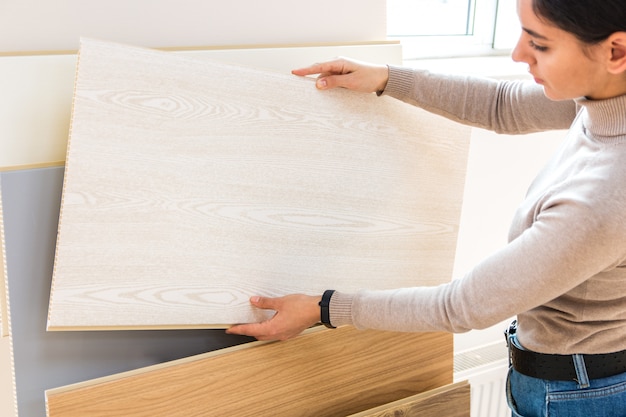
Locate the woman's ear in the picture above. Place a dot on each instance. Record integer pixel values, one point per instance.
(617, 62)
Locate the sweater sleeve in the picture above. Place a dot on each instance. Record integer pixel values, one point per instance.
(563, 271)
(548, 260)
(570, 260)
(511, 107)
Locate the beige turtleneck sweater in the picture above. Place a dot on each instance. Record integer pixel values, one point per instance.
(563, 272)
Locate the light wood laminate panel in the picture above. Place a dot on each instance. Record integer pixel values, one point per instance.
(192, 185)
(322, 373)
(449, 401)
(36, 99)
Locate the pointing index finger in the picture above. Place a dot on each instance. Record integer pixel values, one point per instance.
(310, 70)
(325, 68)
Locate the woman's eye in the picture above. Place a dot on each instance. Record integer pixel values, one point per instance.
(537, 47)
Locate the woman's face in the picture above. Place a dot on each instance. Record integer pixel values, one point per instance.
(558, 61)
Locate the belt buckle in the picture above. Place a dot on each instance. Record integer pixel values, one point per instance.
(510, 331)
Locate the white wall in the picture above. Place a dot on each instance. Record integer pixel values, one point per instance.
(39, 25)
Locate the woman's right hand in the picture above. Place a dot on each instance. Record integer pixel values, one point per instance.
(347, 73)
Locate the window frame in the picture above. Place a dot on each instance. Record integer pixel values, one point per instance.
(485, 29)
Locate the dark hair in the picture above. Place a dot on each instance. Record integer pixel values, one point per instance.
(591, 21)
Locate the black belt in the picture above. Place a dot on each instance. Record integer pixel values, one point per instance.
(561, 367)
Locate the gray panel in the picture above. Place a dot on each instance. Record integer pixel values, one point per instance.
(31, 201)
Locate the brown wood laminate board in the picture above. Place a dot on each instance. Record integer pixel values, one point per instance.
(192, 185)
(449, 401)
(321, 373)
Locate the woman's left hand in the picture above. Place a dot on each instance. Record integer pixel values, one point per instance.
(294, 314)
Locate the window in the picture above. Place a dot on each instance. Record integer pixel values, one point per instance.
(445, 28)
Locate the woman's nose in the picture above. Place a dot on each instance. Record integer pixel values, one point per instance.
(517, 54)
(522, 52)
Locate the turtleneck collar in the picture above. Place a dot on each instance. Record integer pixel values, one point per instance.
(605, 120)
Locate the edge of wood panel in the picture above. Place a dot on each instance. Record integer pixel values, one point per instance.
(4, 283)
(39, 165)
(152, 368)
(5, 328)
(213, 47)
(8, 390)
(52, 328)
(63, 193)
(383, 409)
(164, 365)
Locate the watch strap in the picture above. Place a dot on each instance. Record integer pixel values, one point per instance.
(324, 308)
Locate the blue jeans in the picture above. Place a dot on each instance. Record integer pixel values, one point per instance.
(532, 397)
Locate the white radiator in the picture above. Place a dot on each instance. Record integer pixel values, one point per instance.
(485, 368)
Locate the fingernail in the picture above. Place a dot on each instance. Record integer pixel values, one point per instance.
(321, 83)
(255, 299)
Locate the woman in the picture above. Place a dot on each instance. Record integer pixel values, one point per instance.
(563, 272)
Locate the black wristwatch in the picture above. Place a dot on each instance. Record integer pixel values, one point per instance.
(324, 304)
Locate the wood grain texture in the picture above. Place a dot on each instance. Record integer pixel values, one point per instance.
(41, 88)
(192, 185)
(322, 373)
(449, 401)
